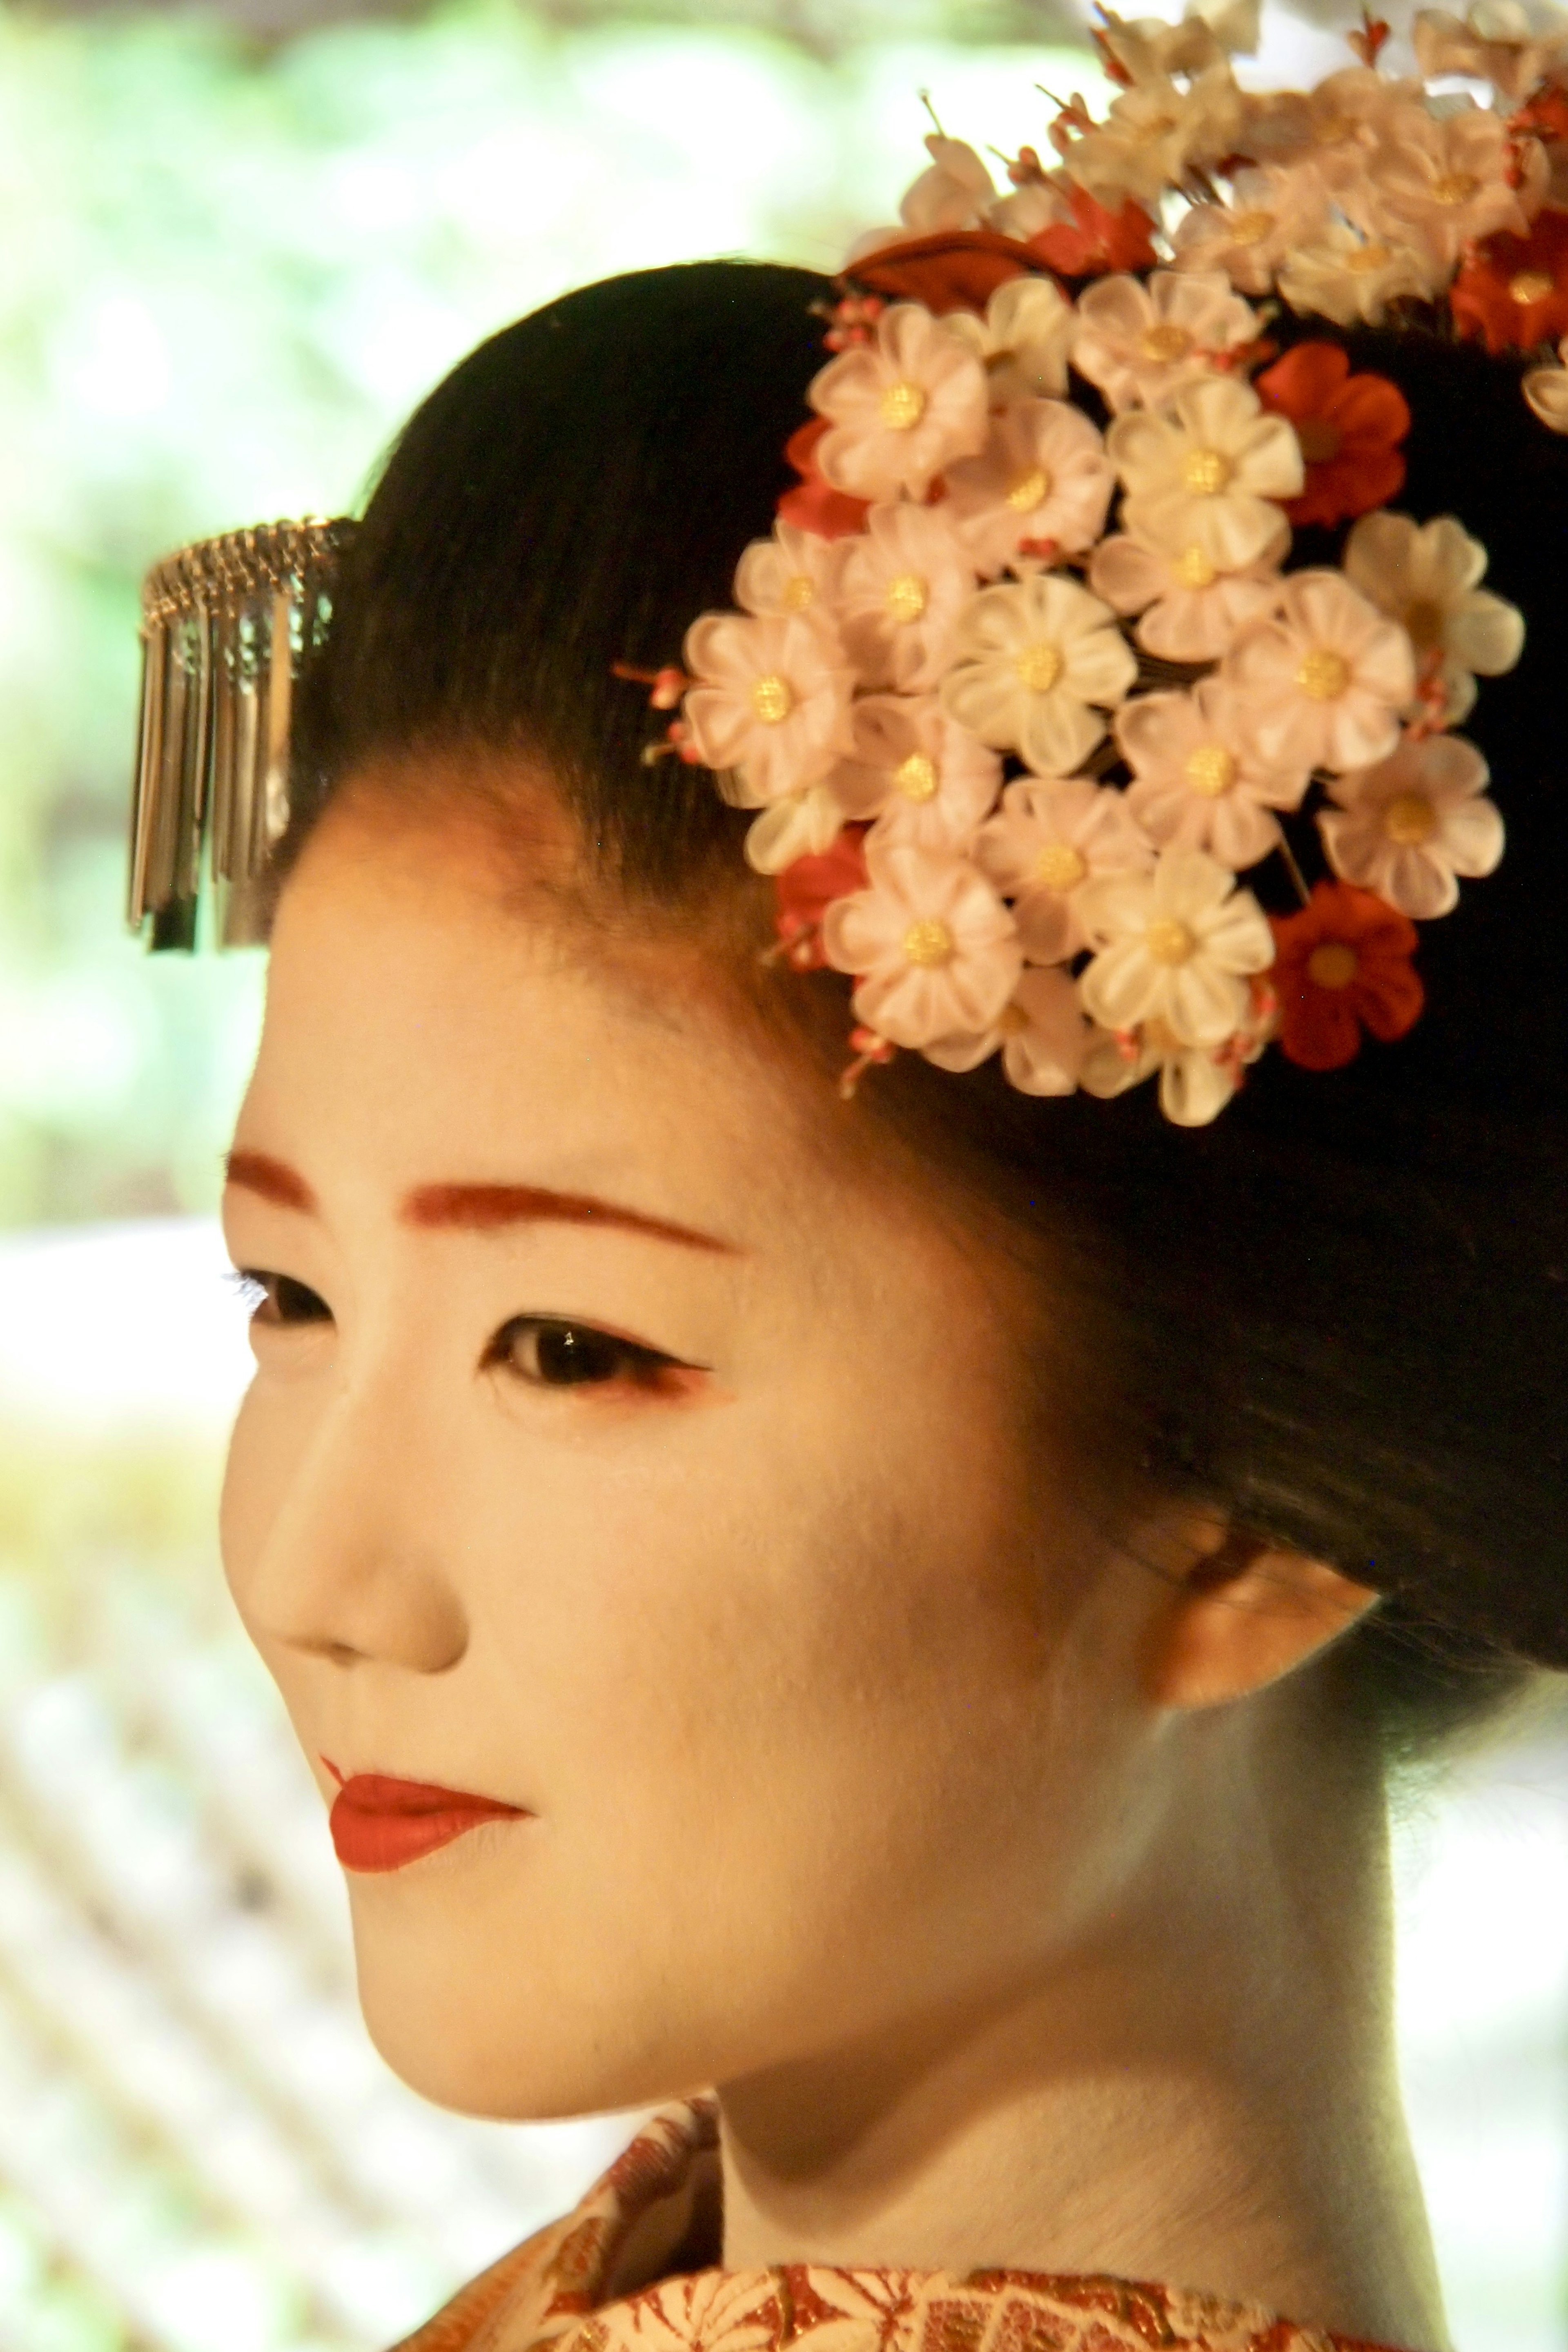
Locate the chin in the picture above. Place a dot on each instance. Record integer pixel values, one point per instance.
(509, 2046)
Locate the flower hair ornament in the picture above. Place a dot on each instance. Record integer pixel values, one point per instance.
(1027, 705)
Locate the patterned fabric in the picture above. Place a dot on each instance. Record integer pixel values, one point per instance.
(630, 2270)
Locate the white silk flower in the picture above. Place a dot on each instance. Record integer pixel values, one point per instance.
(1190, 610)
(934, 951)
(1205, 470)
(1177, 946)
(1044, 476)
(1050, 838)
(903, 581)
(921, 776)
(794, 571)
(1199, 780)
(771, 701)
(900, 407)
(1037, 663)
(1325, 681)
(1040, 1030)
(1026, 336)
(1426, 577)
(1141, 342)
(1410, 826)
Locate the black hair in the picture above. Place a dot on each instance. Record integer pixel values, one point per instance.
(1338, 1314)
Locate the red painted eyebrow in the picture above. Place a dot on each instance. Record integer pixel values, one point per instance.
(482, 1208)
(473, 1208)
(258, 1171)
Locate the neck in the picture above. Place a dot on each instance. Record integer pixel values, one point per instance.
(1200, 2093)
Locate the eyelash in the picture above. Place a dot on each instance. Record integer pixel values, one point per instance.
(574, 1348)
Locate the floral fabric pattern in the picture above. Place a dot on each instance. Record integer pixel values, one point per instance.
(560, 2289)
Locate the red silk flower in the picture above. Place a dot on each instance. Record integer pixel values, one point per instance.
(1514, 289)
(807, 890)
(957, 269)
(1096, 241)
(1342, 964)
(813, 504)
(1349, 426)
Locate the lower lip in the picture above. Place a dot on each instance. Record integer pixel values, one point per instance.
(382, 1825)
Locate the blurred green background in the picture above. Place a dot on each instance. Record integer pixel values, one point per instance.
(230, 266)
(239, 242)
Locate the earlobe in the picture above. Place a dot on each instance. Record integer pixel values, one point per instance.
(1245, 1613)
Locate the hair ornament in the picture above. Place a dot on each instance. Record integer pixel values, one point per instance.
(1044, 730)
(224, 625)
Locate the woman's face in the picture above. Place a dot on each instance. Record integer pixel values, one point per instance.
(620, 1454)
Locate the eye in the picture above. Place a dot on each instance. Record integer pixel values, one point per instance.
(549, 1352)
(277, 1301)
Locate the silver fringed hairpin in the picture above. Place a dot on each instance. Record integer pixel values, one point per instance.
(224, 627)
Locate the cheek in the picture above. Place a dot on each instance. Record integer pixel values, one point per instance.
(264, 1452)
(799, 1681)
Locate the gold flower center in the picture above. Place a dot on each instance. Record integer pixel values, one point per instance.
(1251, 228)
(1193, 569)
(902, 405)
(1030, 491)
(1527, 285)
(916, 777)
(1211, 770)
(1059, 867)
(1204, 472)
(1424, 624)
(1323, 675)
(1410, 820)
(928, 943)
(771, 699)
(1333, 965)
(798, 591)
(1455, 188)
(1166, 341)
(1169, 941)
(1368, 259)
(907, 596)
(1039, 668)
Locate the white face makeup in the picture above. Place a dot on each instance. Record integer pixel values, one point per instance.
(703, 1534)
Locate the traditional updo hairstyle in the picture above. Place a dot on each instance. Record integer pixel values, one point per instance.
(1339, 1314)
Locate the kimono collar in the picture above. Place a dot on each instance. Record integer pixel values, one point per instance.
(634, 2268)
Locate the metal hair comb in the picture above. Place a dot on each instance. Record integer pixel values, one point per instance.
(225, 624)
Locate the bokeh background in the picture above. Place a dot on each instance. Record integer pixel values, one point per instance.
(237, 244)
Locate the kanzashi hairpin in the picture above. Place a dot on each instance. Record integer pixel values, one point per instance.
(1021, 698)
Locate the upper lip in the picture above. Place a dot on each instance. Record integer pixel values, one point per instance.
(381, 1792)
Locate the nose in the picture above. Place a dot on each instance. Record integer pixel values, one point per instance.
(332, 1539)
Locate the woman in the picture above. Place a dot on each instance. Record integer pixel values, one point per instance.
(898, 1612)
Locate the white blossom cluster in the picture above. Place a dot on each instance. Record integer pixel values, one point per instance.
(1056, 680)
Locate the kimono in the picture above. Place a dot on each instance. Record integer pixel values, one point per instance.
(632, 2268)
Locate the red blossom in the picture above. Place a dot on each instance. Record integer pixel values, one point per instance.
(1514, 289)
(807, 888)
(813, 504)
(1342, 964)
(1368, 43)
(1543, 116)
(957, 269)
(1110, 65)
(1096, 240)
(1349, 426)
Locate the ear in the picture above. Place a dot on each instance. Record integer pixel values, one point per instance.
(1243, 1614)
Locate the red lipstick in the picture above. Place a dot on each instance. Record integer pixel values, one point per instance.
(380, 1823)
